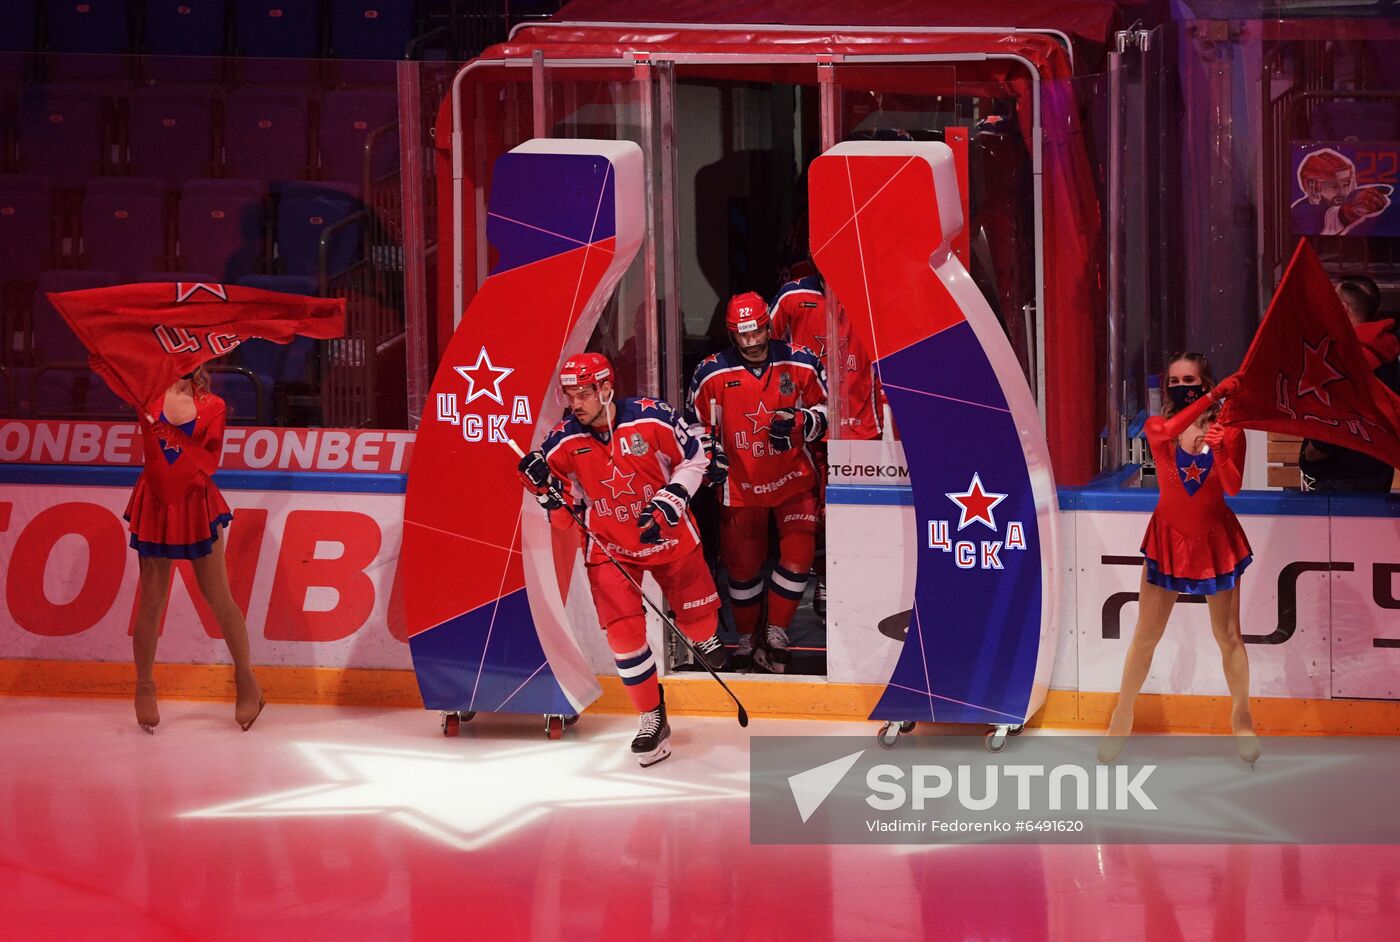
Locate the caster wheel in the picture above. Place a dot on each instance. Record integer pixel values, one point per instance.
(570, 720)
(451, 724)
(996, 740)
(554, 726)
(1016, 730)
(907, 726)
(468, 716)
(888, 737)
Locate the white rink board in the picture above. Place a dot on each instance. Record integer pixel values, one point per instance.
(1366, 608)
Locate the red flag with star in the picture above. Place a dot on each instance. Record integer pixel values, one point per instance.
(141, 338)
(1307, 374)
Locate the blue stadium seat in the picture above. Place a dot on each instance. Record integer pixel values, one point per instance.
(89, 36)
(371, 29)
(177, 30)
(287, 31)
(300, 222)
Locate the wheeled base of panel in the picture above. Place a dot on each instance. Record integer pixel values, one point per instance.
(554, 723)
(995, 740)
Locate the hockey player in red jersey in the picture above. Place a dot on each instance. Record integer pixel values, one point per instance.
(799, 317)
(764, 401)
(630, 467)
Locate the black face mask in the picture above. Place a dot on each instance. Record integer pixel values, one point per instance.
(1183, 396)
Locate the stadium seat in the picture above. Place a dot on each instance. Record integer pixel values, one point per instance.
(274, 363)
(371, 29)
(301, 220)
(286, 31)
(265, 134)
(124, 225)
(26, 229)
(60, 134)
(17, 37)
(171, 134)
(220, 227)
(61, 383)
(89, 37)
(347, 118)
(185, 40)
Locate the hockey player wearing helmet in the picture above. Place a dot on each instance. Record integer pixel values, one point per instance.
(764, 401)
(631, 467)
(1332, 202)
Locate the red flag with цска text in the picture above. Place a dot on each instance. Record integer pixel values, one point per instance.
(141, 338)
(1306, 373)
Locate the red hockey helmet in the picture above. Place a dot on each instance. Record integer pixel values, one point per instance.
(585, 369)
(746, 312)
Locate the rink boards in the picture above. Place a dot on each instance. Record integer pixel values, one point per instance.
(313, 557)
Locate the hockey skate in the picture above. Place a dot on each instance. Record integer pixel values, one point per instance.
(712, 650)
(773, 655)
(653, 739)
(819, 599)
(741, 661)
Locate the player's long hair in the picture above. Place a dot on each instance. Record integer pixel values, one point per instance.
(1203, 369)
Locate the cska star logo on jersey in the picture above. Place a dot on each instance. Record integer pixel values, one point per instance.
(976, 505)
(762, 417)
(620, 484)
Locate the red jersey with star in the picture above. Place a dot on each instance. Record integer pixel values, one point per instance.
(799, 317)
(730, 395)
(617, 475)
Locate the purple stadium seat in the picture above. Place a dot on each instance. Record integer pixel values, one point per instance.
(26, 234)
(59, 133)
(347, 118)
(171, 134)
(89, 36)
(286, 32)
(124, 225)
(371, 29)
(221, 227)
(265, 133)
(149, 187)
(300, 222)
(58, 390)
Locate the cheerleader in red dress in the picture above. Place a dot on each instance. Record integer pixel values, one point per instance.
(1194, 544)
(176, 512)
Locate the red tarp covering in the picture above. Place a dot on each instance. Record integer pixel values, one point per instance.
(1074, 297)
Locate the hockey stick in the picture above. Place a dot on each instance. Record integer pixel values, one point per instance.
(689, 646)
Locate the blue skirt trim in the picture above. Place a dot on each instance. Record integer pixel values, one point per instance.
(1221, 582)
(183, 551)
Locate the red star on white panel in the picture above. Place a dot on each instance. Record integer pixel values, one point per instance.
(620, 484)
(976, 504)
(488, 385)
